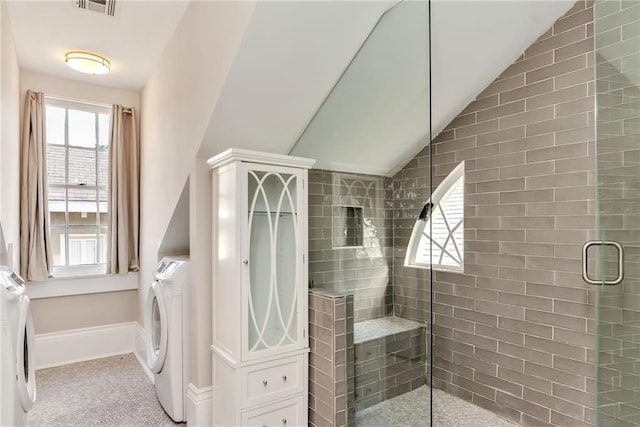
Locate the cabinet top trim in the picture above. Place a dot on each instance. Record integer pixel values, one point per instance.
(238, 154)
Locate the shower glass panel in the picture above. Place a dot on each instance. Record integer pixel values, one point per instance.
(617, 349)
(360, 223)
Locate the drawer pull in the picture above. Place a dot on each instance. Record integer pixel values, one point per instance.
(284, 378)
(264, 383)
(284, 421)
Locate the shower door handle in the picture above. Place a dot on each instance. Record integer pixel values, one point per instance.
(585, 273)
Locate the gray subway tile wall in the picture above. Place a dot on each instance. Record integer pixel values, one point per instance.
(331, 341)
(365, 270)
(514, 333)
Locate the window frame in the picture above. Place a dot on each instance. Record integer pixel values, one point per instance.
(70, 271)
(442, 192)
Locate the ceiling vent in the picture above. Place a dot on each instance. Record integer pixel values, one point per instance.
(105, 7)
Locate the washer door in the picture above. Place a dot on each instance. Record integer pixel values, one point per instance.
(156, 328)
(25, 366)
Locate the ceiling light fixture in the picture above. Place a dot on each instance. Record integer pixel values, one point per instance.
(88, 63)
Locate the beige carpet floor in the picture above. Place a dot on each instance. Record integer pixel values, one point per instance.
(113, 392)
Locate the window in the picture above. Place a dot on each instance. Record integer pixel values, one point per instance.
(77, 172)
(437, 240)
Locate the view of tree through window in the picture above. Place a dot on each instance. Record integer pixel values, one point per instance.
(77, 170)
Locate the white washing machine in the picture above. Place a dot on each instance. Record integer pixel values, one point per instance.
(17, 370)
(167, 334)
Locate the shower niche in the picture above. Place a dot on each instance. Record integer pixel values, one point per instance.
(347, 226)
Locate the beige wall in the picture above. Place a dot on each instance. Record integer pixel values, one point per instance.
(178, 101)
(200, 290)
(76, 90)
(52, 314)
(10, 137)
(83, 311)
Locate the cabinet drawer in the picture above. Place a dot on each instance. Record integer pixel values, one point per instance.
(291, 412)
(273, 380)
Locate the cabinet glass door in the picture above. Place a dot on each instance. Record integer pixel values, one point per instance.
(273, 258)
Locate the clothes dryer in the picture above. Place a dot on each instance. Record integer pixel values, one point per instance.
(167, 334)
(17, 370)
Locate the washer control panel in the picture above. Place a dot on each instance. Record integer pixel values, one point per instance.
(11, 281)
(166, 269)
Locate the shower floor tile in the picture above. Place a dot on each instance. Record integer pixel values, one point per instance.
(412, 410)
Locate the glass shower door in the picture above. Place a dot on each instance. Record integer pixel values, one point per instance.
(615, 252)
(360, 232)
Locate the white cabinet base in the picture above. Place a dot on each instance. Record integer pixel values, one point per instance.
(288, 413)
(239, 390)
(273, 380)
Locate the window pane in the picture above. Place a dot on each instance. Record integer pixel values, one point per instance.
(74, 252)
(82, 218)
(57, 218)
(55, 125)
(82, 129)
(82, 206)
(453, 206)
(89, 252)
(102, 194)
(103, 246)
(58, 245)
(103, 130)
(103, 166)
(82, 246)
(423, 252)
(57, 205)
(56, 170)
(82, 167)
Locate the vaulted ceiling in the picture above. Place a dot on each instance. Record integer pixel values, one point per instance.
(346, 83)
(285, 85)
(377, 117)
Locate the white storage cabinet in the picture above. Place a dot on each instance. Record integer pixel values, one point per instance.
(260, 338)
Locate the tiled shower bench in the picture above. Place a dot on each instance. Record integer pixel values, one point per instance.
(390, 354)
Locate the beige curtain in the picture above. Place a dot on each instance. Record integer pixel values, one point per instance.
(124, 193)
(35, 241)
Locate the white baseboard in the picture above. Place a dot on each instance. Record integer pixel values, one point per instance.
(199, 404)
(140, 351)
(78, 345)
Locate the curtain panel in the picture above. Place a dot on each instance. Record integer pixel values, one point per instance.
(124, 193)
(36, 259)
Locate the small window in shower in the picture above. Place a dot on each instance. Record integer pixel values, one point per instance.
(437, 240)
(347, 226)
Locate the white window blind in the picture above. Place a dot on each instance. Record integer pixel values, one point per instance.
(437, 240)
